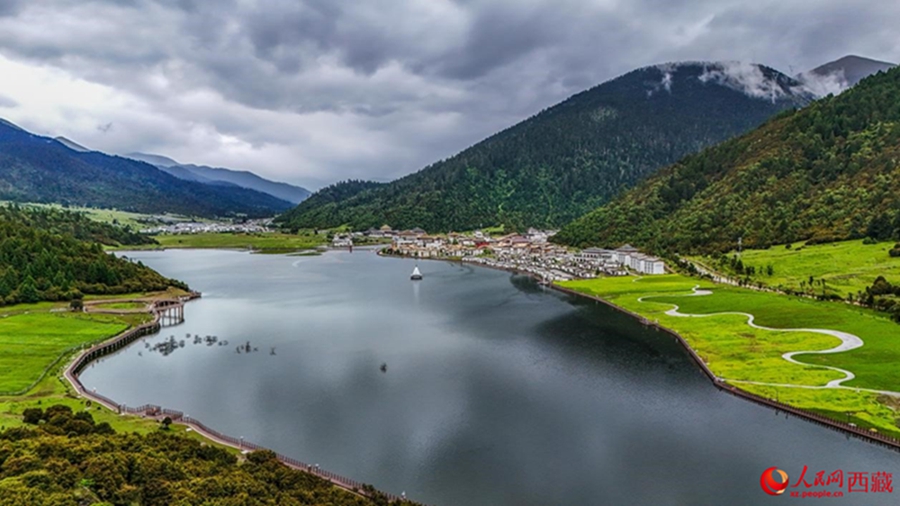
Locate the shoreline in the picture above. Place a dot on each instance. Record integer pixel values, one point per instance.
(719, 383)
(722, 385)
(154, 412)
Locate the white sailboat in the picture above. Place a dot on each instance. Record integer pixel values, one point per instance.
(416, 275)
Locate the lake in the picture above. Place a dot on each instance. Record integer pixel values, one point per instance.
(496, 391)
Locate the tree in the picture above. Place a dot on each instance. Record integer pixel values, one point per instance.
(28, 292)
(880, 228)
(166, 422)
(32, 415)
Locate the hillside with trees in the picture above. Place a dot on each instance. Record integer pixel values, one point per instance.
(67, 459)
(76, 224)
(572, 157)
(41, 260)
(825, 173)
(322, 207)
(41, 169)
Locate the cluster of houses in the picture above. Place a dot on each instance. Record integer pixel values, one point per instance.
(196, 227)
(616, 261)
(528, 252)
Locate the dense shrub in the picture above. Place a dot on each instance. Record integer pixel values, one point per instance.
(40, 466)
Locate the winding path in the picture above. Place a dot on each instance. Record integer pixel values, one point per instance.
(848, 342)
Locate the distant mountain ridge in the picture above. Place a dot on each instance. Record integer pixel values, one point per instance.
(574, 156)
(827, 172)
(74, 146)
(853, 68)
(221, 176)
(41, 169)
(838, 76)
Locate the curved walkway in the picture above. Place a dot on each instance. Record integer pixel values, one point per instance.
(848, 342)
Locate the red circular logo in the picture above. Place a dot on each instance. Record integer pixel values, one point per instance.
(772, 485)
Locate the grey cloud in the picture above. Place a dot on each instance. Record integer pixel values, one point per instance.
(329, 89)
(8, 103)
(10, 7)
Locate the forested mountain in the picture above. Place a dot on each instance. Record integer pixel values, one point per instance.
(220, 176)
(64, 458)
(38, 263)
(323, 206)
(576, 155)
(40, 169)
(827, 172)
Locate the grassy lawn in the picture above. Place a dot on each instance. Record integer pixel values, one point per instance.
(270, 242)
(33, 341)
(736, 351)
(847, 267)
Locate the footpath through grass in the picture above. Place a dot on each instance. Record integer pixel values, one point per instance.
(736, 351)
(847, 267)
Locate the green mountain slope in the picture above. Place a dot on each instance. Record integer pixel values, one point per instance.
(323, 207)
(829, 171)
(576, 155)
(41, 259)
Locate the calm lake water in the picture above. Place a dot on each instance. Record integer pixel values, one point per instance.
(497, 392)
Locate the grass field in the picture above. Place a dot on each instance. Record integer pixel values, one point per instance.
(847, 267)
(736, 351)
(32, 341)
(272, 242)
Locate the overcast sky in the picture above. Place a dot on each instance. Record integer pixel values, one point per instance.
(316, 91)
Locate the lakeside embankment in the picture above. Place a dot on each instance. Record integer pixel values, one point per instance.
(718, 382)
(159, 309)
(723, 385)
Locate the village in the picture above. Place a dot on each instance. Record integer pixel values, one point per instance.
(530, 252)
(176, 227)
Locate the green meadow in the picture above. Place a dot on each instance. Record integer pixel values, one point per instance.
(32, 341)
(847, 267)
(735, 351)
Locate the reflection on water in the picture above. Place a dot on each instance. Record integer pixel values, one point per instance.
(494, 391)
